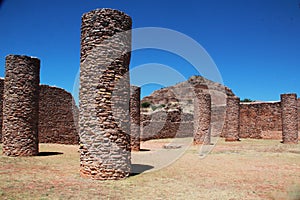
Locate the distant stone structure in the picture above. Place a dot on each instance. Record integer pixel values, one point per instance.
(232, 123)
(202, 118)
(21, 106)
(166, 124)
(58, 116)
(104, 119)
(135, 117)
(261, 120)
(289, 118)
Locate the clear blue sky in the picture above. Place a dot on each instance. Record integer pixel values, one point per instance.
(254, 43)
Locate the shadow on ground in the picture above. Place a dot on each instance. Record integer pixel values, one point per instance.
(49, 153)
(144, 150)
(137, 169)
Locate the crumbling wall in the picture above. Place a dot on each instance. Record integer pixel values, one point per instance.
(104, 122)
(58, 116)
(21, 106)
(260, 120)
(289, 115)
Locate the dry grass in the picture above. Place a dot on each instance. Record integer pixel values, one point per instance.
(251, 169)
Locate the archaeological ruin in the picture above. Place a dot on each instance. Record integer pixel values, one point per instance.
(104, 118)
(232, 120)
(21, 106)
(135, 117)
(289, 118)
(58, 115)
(112, 120)
(202, 119)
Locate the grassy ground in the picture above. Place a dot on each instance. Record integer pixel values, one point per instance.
(251, 169)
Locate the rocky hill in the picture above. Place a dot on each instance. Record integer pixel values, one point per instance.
(181, 95)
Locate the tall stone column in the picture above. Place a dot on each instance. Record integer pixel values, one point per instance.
(104, 118)
(232, 123)
(21, 106)
(135, 96)
(202, 118)
(1, 106)
(289, 118)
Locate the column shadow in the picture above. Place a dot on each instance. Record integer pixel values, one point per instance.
(137, 169)
(49, 153)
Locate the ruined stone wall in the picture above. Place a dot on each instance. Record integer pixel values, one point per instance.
(166, 124)
(135, 117)
(260, 120)
(232, 122)
(289, 118)
(202, 118)
(104, 119)
(21, 106)
(58, 116)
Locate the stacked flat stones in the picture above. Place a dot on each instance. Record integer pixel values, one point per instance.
(21, 106)
(135, 95)
(1, 106)
(202, 118)
(58, 116)
(232, 124)
(289, 118)
(104, 119)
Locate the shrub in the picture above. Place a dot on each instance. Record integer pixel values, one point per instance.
(146, 105)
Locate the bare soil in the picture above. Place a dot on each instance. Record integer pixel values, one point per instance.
(250, 169)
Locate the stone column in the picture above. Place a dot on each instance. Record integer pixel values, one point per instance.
(232, 123)
(21, 106)
(135, 95)
(289, 118)
(1, 106)
(202, 118)
(104, 119)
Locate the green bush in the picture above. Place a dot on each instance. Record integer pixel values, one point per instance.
(247, 100)
(146, 105)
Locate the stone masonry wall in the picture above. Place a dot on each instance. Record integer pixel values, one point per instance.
(260, 120)
(135, 117)
(1, 106)
(58, 116)
(289, 118)
(166, 124)
(21, 106)
(202, 118)
(232, 123)
(104, 118)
